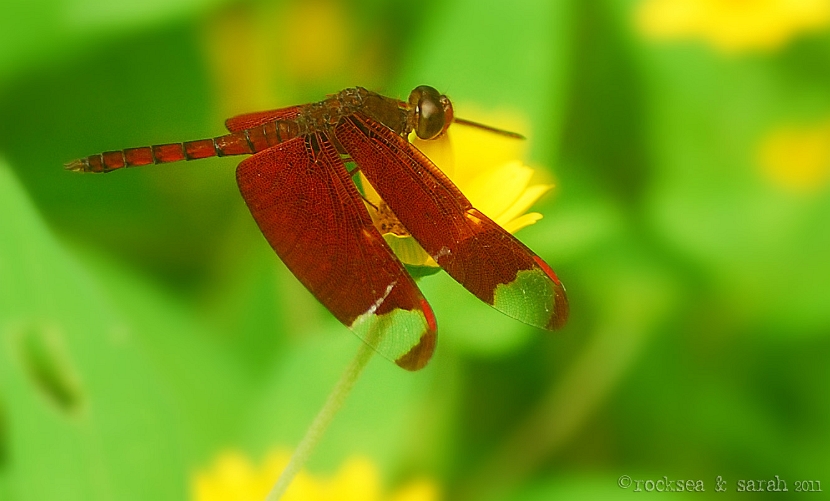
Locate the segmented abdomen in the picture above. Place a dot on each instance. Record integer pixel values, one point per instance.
(243, 142)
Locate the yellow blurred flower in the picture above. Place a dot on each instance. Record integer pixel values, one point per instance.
(732, 25)
(797, 158)
(486, 168)
(233, 477)
(315, 37)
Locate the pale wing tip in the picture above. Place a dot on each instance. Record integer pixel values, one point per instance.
(405, 335)
(561, 309)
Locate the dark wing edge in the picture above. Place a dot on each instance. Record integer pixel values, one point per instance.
(250, 120)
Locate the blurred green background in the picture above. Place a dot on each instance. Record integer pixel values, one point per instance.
(146, 326)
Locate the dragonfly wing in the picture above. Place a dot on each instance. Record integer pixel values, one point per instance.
(308, 208)
(251, 120)
(484, 258)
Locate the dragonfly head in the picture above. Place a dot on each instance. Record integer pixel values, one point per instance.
(433, 112)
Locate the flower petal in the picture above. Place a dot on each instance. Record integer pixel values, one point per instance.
(440, 151)
(525, 201)
(408, 250)
(520, 222)
(494, 191)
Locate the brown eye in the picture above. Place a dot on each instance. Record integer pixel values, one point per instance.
(429, 112)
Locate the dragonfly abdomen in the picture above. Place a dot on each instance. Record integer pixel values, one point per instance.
(244, 142)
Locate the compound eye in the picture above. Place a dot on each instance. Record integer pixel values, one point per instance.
(429, 112)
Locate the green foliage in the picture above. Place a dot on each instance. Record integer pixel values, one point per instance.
(146, 326)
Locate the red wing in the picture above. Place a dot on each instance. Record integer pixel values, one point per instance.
(305, 203)
(484, 258)
(251, 120)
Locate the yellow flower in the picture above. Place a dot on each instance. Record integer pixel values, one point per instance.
(732, 25)
(486, 168)
(234, 478)
(797, 158)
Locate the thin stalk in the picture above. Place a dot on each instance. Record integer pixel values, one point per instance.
(321, 421)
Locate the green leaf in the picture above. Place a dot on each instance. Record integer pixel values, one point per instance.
(107, 384)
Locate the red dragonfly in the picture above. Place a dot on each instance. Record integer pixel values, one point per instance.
(303, 198)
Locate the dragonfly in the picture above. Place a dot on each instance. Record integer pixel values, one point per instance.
(303, 197)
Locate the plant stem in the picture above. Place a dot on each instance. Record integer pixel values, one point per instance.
(321, 421)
